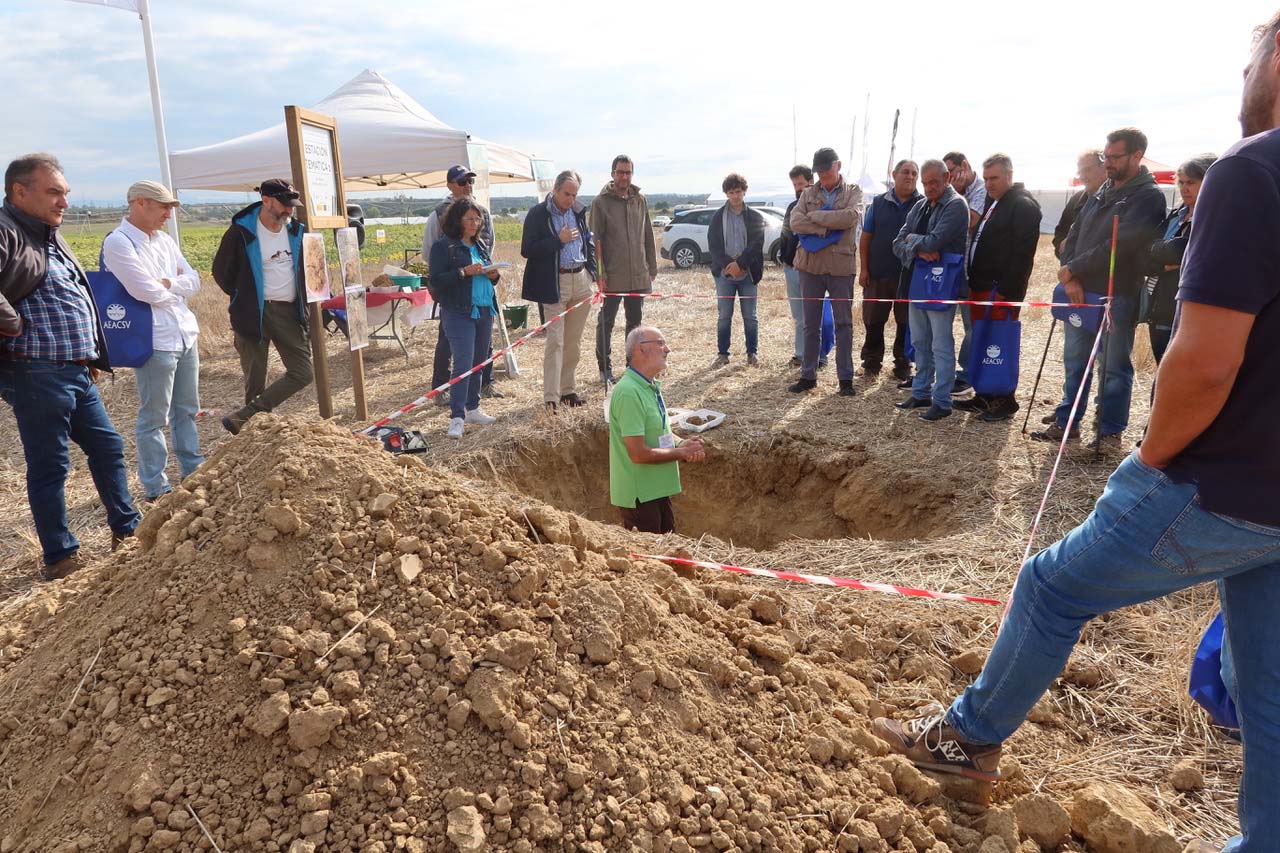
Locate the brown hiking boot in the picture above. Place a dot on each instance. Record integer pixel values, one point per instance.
(117, 540)
(66, 566)
(1108, 445)
(929, 743)
(1053, 434)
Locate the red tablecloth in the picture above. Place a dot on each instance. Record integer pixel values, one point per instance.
(373, 300)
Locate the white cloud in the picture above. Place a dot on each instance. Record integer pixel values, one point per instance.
(690, 90)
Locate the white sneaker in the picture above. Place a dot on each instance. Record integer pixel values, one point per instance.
(477, 416)
(456, 428)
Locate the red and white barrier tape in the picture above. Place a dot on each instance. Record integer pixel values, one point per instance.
(1062, 446)
(498, 353)
(825, 580)
(991, 303)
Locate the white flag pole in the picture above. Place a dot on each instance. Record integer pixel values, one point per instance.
(162, 143)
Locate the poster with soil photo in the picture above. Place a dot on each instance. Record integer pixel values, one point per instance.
(349, 256)
(315, 269)
(357, 318)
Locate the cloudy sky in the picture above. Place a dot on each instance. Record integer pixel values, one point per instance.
(691, 90)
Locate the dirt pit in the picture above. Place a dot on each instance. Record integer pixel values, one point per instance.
(740, 494)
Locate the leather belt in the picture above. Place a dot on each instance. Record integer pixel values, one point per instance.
(570, 270)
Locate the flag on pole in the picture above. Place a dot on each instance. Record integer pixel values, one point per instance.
(127, 5)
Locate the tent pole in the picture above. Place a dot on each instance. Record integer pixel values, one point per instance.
(157, 112)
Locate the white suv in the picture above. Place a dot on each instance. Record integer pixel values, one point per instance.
(684, 241)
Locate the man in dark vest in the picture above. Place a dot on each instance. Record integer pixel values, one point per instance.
(880, 271)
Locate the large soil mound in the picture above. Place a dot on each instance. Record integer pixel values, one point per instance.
(313, 645)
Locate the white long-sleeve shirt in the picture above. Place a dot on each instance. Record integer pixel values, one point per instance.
(140, 261)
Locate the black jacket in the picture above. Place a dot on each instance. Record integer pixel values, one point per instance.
(23, 263)
(1087, 249)
(752, 257)
(540, 245)
(1068, 218)
(448, 285)
(790, 240)
(1006, 251)
(237, 268)
(1166, 253)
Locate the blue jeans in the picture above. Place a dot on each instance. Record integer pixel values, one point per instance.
(746, 291)
(962, 367)
(168, 392)
(1114, 399)
(933, 335)
(792, 275)
(53, 401)
(1147, 537)
(467, 337)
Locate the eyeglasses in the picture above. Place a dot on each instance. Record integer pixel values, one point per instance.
(465, 182)
(624, 171)
(653, 341)
(1111, 158)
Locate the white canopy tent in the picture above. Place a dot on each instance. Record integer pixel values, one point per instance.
(389, 141)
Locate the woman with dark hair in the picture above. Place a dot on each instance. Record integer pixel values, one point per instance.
(1164, 267)
(465, 292)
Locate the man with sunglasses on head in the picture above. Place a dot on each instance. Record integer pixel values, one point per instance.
(259, 265)
(461, 183)
(644, 457)
(1130, 192)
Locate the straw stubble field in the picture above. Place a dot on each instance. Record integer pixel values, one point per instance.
(814, 483)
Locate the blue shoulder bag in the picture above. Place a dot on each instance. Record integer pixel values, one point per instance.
(940, 279)
(1084, 319)
(126, 321)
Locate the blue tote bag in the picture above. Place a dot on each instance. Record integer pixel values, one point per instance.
(1084, 319)
(1206, 685)
(940, 279)
(126, 322)
(994, 356)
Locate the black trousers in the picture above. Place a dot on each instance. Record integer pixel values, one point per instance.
(875, 315)
(653, 516)
(604, 326)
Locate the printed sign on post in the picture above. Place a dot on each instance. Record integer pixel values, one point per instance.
(349, 256)
(357, 318)
(380, 235)
(314, 267)
(322, 184)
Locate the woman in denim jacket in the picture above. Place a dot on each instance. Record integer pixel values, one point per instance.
(467, 306)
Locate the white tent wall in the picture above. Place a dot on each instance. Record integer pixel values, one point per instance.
(389, 142)
(1053, 202)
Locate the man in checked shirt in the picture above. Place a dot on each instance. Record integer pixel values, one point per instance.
(51, 353)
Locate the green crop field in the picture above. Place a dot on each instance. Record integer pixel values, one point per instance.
(200, 243)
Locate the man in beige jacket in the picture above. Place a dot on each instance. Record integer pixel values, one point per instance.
(625, 252)
(826, 220)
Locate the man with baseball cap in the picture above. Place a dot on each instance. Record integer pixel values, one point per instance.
(259, 265)
(461, 182)
(152, 269)
(826, 219)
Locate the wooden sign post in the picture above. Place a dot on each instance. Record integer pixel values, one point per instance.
(317, 174)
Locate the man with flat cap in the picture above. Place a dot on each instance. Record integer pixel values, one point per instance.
(826, 218)
(149, 264)
(259, 265)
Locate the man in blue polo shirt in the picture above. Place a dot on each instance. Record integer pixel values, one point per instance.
(51, 353)
(1198, 502)
(644, 457)
(880, 270)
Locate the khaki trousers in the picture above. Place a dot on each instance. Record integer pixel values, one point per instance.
(564, 337)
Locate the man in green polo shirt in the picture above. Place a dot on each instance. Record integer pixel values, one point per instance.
(644, 457)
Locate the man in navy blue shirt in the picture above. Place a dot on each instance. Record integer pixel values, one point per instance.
(1198, 502)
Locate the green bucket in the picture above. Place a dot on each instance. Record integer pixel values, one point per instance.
(517, 316)
(407, 282)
